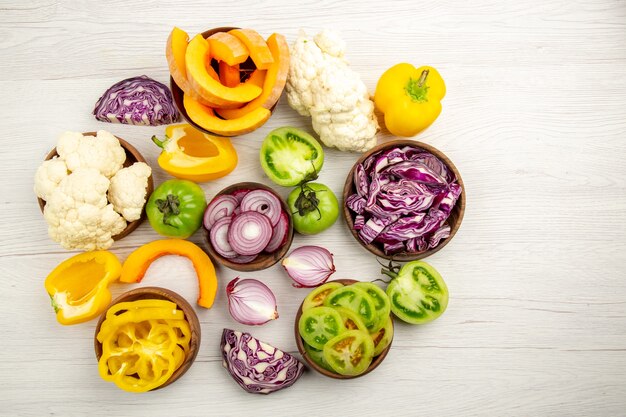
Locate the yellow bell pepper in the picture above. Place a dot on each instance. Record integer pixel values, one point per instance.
(192, 155)
(143, 344)
(138, 262)
(410, 98)
(78, 286)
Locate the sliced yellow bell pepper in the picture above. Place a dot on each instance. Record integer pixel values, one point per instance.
(410, 98)
(138, 262)
(193, 155)
(78, 286)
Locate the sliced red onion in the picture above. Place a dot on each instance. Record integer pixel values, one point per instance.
(256, 366)
(238, 194)
(279, 235)
(243, 259)
(222, 206)
(264, 202)
(219, 238)
(309, 266)
(249, 233)
(251, 302)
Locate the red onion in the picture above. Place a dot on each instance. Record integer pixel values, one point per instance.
(279, 236)
(251, 302)
(249, 233)
(219, 238)
(263, 202)
(221, 206)
(238, 194)
(309, 266)
(243, 259)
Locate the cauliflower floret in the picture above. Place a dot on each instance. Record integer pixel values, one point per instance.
(78, 213)
(322, 85)
(104, 154)
(48, 176)
(127, 191)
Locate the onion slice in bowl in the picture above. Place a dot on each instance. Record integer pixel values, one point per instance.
(219, 237)
(221, 206)
(309, 266)
(264, 202)
(249, 233)
(279, 236)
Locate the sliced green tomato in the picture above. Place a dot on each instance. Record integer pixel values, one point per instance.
(418, 294)
(351, 320)
(289, 155)
(354, 299)
(317, 296)
(381, 301)
(317, 356)
(320, 324)
(350, 353)
(382, 338)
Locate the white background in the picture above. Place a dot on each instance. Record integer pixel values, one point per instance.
(534, 118)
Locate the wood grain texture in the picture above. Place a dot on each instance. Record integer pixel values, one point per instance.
(534, 119)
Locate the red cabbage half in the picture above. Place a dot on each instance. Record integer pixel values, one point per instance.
(256, 366)
(137, 101)
(403, 199)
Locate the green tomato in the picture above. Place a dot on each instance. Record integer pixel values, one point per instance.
(317, 356)
(418, 294)
(349, 353)
(355, 299)
(290, 156)
(314, 208)
(176, 207)
(318, 325)
(382, 337)
(381, 301)
(318, 295)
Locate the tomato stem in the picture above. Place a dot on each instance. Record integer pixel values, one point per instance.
(169, 207)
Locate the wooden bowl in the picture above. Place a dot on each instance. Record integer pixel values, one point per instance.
(264, 260)
(300, 343)
(178, 94)
(456, 215)
(132, 156)
(160, 294)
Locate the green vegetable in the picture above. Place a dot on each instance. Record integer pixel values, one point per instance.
(317, 356)
(351, 320)
(354, 299)
(382, 337)
(320, 324)
(290, 156)
(318, 295)
(349, 353)
(417, 293)
(381, 302)
(314, 208)
(176, 207)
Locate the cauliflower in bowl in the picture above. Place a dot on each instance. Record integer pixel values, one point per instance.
(89, 195)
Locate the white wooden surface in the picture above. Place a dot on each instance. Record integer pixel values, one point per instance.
(535, 119)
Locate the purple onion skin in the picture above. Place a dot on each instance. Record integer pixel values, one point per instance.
(125, 102)
(283, 369)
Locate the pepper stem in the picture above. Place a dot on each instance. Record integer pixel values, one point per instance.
(423, 77)
(160, 143)
(416, 89)
(169, 207)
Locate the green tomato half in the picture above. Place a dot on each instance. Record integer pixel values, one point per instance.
(176, 207)
(314, 208)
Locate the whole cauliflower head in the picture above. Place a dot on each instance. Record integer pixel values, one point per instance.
(78, 213)
(48, 177)
(321, 84)
(127, 191)
(102, 152)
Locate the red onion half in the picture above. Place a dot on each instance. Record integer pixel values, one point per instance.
(251, 302)
(309, 266)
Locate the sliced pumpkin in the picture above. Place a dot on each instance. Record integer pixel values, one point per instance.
(227, 47)
(257, 78)
(209, 89)
(205, 117)
(257, 47)
(229, 74)
(273, 84)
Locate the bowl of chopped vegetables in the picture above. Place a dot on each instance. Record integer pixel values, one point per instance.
(146, 339)
(403, 200)
(248, 227)
(344, 329)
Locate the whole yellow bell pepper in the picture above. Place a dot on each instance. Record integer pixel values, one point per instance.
(192, 155)
(79, 286)
(410, 98)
